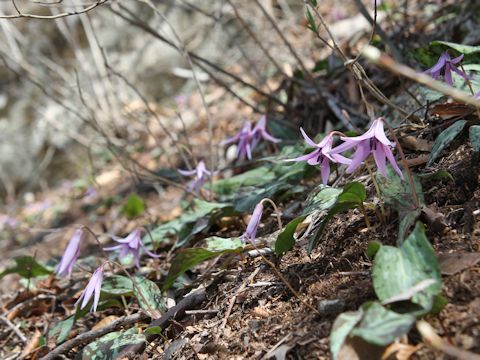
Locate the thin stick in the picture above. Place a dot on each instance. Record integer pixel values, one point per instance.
(385, 61)
(14, 328)
(50, 17)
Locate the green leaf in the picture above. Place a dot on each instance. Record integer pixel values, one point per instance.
(353, 192)
(154, 330)
(463, 49)
(255, 177)
(437, 175)
(149, 296)
(311, 22)
(397, 270)
(117, 285)
(474, 133)
(445, 138)
(203, 212)
(406, 223)
(343, 325)
(188, 258)
(372, 248)
(111, 345)
(323, 199)
(135, 206)
(27, 267)
(285, 240)
(380, 326)
(397, 192)
(62, 328)
(216, 243)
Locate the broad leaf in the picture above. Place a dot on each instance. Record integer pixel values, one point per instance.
(117, 285)
(406, 222)
(149, 296)
(255, 177)
(463, 49)
(62, 328)
(380, 326)
(27, 267)
(342, 326)
(474, 133)
(445, 138)
(216, 243)
(111, 345)
(397, 270)
(285, 240)
(188, 258)
(135, 206)
(322, 199)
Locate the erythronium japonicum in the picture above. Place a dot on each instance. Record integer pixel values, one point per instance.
(444, 67)
(247, 138)
(321, 155)
(375, 142)
(92, 289)
(72, 251)
(201, 174)
(131, 245)
(251, 232)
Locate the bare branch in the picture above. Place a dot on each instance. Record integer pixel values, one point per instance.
(50, 17)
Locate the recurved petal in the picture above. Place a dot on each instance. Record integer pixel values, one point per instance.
(187, 172)
(307, 139)
(325, 170)
(392, 161)
(379, 156)
(363, 150)
(457, 59)
(313, 154)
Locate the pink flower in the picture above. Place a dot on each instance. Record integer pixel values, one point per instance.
(251, 232)
(72, 251)
(375, 142)
(201, 174)
(248, 139)
(321, 155)
(133, 245)
(444, 67)
(93, 289)
(260, 132)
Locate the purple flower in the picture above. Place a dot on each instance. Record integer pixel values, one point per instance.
(72, 251)
(477, 96)
(93, 289)
(375, 142)
(321, 155)
(243, 138)
(133, 245)
(251, 232)
(248, 139)
(201, 174)
(260, 132)
(444, 67)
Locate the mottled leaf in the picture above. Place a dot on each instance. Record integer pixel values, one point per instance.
(445, 138)
(474, 133)
(285, 240)
(342, 326)
(216, 243)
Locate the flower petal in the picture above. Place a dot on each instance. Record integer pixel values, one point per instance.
(325, 170)
(307, 139)
(392, 161)
(379, 156)
(363, 150)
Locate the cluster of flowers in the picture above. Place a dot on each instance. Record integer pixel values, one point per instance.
(444, 68)
(247, 139)
(131, 246)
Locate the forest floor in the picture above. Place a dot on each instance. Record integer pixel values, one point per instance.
(247, 310)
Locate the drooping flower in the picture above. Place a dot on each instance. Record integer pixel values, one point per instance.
(260, 132)
(243, 137)
(201, 174)
(248, 138)
(321, 155)
(71, 253)
(92, 289)
(131, 245)
(444, 67)
(375, 142)
(251, 232)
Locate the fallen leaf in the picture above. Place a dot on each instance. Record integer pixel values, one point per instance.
(453, 263)
(261, 312)
(417, 144)
(32, 344)
(104, 322)
(399, 351)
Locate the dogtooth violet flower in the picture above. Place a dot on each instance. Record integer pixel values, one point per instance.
(444, 67)
(131, 245)
(251, 231)
(260, 132)
(92, 289)
(321, 155)
(72, 251)
(201, 174)
(375, 142)
(247, 138)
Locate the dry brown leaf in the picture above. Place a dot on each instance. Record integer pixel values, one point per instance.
(261, 312)
(32, 344)
(453, 263)
(399, 351)
(104, 322)
(417, 144)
